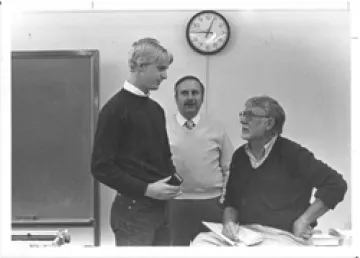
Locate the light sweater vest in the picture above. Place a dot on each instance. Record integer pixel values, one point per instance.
(197, 156)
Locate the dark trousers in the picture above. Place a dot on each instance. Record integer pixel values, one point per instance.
(186, 218)
(139, 222)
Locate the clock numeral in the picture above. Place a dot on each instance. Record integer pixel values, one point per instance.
(196, 25)
(200, 19)
(208, 17)
(207, 48)
(221, 25)
(221, 40)
(200, 44)
(215, 45)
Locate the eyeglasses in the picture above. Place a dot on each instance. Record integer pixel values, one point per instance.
(248, 115)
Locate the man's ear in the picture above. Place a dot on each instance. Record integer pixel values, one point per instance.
(140, 68)
(270, 123)
(176, 94)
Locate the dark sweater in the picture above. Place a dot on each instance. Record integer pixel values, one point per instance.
(131, 147)
(278, 191)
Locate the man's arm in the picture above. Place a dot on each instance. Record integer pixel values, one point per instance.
(109, 134)
(226, 152)
(301, 226)
(167, 149)
(330, 185)
(230, 214)
(230, 225)
(330, 190)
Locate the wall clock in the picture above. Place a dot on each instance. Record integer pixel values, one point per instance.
(208, 32)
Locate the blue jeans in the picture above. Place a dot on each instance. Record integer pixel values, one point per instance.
(139, 222)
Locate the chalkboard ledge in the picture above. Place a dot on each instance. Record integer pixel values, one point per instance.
(53, 223)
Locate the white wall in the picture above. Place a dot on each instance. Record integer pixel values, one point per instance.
(301, 58)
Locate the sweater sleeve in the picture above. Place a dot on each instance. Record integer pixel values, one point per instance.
(166, 148)
(168, 154)
(330, 185)
(110, 132)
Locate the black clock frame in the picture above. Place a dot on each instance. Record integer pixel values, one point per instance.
(188, 34)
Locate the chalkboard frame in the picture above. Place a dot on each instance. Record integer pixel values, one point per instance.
(93, 56)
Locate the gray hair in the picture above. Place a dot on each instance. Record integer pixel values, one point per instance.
(147, 51)
(272, 109)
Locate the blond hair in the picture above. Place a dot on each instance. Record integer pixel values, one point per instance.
(148, 51)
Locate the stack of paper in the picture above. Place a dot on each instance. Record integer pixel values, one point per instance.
(246, 236)
(325, 240)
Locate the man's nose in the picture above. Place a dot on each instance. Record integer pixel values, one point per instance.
(243, 120)
(188, 98)
(192, 96)
(164, 75)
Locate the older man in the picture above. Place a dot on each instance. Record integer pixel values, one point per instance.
(272, 178)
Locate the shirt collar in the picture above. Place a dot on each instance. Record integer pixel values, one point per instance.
(267, 148)
(270, 144)
(133, 89)
(181, 120)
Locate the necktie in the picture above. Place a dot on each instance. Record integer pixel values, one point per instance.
(189, 124)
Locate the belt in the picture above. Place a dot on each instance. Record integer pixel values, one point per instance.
(144, 199)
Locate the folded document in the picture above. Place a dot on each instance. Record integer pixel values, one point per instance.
(246, 236)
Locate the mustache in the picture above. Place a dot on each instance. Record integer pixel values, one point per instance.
(190, 102)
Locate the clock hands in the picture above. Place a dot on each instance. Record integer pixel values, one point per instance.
(207, 32)
(209, 29)
(201, 31)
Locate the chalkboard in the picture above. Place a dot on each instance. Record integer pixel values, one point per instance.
(54, 108)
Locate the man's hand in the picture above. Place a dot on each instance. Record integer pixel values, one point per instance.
(231, 231)
(161, 190)
(302, 228)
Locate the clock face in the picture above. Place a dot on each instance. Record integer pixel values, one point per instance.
(208, 32)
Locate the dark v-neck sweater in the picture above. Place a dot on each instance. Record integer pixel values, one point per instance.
(131, 147)
(278, 191)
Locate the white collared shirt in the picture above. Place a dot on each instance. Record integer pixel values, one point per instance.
(255, 163)
(182, 120)
(133, 89)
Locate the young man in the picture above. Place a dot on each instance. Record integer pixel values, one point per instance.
(272, 178)
(131, 151)
(201, 153)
